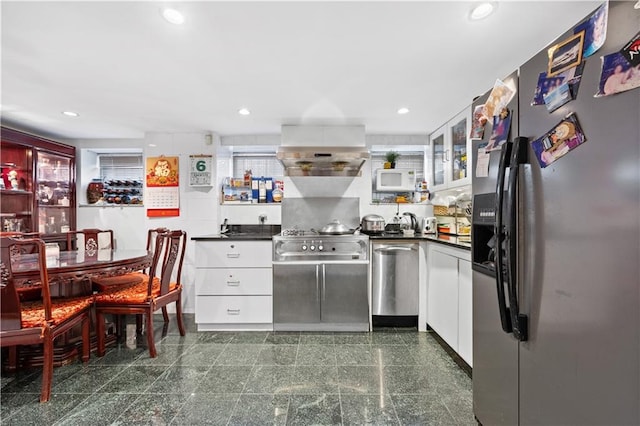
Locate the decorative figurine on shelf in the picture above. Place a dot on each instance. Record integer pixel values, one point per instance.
(13, 179)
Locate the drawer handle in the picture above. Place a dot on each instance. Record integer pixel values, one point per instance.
(233, 311)
(233, 283)
(233, 255)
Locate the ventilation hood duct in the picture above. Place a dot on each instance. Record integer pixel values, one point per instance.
(322, 150)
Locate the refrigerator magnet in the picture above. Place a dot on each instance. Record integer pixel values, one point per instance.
(549, 84)
(557, 97)
(565, 55)
(559, 141)
(595, 30)
(478, 122)
(499, 98)
(500, 131)
(631, 51)
(617, 75)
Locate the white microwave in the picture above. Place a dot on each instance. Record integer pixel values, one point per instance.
(398, 180)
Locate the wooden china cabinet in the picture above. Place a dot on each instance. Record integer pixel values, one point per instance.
(37, 186)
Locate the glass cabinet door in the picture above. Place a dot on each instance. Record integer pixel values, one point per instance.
(459, 150)
(54, 193)
(438, 159)
(16, 188)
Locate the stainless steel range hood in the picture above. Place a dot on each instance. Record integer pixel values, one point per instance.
(322, 161)
(322, 150)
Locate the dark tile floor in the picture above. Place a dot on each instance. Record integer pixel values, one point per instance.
(391, 376)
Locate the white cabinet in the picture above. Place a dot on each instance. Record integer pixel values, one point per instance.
(449, 297)
(234, 285)
(450, 154)
(442, 302)
(465, 312)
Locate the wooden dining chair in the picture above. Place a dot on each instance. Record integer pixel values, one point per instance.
(38, 321)
(150, 295)
(102, 284)
(90, 239)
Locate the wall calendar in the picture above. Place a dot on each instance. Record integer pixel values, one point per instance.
(162, 196)
(200, 171)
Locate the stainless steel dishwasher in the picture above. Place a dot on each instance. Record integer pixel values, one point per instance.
(395, 278)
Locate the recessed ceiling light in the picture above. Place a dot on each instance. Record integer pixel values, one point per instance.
(482, 10)
(152, 145)
(244, 111)
(173, 16)
(70, 114)
(403, 110)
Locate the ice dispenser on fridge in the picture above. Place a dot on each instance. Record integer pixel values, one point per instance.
(483, 233)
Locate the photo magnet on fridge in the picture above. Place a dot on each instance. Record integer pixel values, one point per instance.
(563, 138)
(617, 75)
(631, 51)
(557, 97)
(500, 131)
(595, 30)
(566, 54)
(545, 85)
(478, 122)
(499, 98)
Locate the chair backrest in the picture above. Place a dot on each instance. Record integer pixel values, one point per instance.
(90, 239)
(14, 252)
(151, 240)
(169, 251)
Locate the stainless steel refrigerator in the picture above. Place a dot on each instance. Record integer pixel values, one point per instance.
(556, 335)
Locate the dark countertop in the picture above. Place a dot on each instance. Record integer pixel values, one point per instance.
(234, 237)
(451, 240)
(265, 232)
(242, 232)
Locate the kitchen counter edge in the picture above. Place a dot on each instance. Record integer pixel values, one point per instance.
(222, 237)
(450, 240)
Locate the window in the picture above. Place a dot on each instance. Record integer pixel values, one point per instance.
(260, 164)
(125, 166)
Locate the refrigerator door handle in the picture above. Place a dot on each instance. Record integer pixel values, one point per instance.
(519, 321)
(505, 317)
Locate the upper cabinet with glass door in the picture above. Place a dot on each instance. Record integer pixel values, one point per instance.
(55, 192)
(451, 153)
(38, 185)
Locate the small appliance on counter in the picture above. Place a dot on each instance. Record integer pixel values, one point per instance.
(372, 224)
(429, 225)
(413, 224)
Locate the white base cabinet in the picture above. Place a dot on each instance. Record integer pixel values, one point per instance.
(465, 311)
(234, 285)
(449, 297)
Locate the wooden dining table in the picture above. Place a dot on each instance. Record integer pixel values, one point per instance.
(70, 274)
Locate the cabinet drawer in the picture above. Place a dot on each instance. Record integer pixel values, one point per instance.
(234, 309)
(233, 254)
(234, 281)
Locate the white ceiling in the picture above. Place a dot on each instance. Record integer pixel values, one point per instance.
(127, 71)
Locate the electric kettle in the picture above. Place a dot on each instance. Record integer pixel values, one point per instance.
(413, 224)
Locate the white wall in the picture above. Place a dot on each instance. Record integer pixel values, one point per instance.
(198, 206)
(200, 209)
